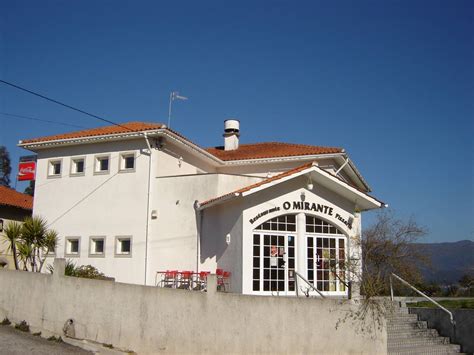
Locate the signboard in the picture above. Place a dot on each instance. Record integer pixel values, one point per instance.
(26, 171)
(306, 206)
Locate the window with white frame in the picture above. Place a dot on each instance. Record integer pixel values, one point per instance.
(97, 246)
(326, 255)
(54, 168)
(127, 162)
(102, 164)
(73, 246)
(77, 166)
(123, 246)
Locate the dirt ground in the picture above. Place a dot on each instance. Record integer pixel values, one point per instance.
(15, 342)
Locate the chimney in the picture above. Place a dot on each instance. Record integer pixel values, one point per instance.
(231, 134)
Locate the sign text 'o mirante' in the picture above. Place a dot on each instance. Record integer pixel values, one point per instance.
(306, 206)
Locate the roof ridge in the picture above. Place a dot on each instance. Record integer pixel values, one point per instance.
(280, 143)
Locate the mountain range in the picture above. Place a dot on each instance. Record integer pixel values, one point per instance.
(449, 261)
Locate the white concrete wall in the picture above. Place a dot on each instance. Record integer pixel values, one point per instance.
(173, 237)
(108, 205)
(215, 252)
(150, 320)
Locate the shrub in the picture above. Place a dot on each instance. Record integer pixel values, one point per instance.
(23, 326)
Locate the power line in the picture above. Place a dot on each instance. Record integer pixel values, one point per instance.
(62, 104)
(41, 120)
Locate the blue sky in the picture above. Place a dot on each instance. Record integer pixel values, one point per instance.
(390, 81)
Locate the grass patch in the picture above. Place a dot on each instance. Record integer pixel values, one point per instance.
(6, 321)
(110, 346)
(56, 339)
(453, 304)
(23, 326)
(38, 334)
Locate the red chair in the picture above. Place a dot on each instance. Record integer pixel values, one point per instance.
(223, 280)
(201, 281)
(185, 280)
(170, 279)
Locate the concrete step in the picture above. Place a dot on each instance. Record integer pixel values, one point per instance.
(428, 350)
(398, 333)
(407, 325)
(395, 317)
(413, 341)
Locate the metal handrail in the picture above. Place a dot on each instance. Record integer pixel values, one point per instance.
(310, 284)
(451, 317)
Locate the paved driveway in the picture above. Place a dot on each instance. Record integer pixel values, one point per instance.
(14, 342)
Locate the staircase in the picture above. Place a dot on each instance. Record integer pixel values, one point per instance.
(408, 335)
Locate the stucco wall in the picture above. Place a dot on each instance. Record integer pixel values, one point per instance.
(150, 320)
(173, 234)
(101, 205)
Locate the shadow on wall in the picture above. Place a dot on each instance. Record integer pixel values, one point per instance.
(438, 319)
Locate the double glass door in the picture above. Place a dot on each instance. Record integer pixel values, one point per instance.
(274, 262)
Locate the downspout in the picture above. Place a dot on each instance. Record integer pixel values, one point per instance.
(198, 233)
(147, 204)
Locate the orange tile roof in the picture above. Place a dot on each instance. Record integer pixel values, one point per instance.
(270, 150)
(245, 151)
(260, 183)
(13, 198)
(100, 131)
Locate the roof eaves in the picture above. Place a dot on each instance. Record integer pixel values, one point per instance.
(85, 139)
(281, 158)
(16, 206)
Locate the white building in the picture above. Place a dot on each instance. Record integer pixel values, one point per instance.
(139, 198)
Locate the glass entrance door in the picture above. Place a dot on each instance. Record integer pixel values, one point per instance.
(274, 266)
(326, 263)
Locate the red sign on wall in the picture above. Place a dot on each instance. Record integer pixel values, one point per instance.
(26, 171)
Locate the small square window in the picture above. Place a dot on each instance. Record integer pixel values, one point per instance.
(73, 246)
(97, 246)
(54, 168)
(102, 164)
(77, 166)
(127, 162)
(123, 246)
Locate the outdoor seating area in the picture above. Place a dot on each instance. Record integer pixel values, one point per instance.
(190, 280)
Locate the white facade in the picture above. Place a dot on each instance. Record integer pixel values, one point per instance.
(147, 210)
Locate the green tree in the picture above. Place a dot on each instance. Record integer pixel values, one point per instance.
(30, 242)
(12, 234)
(5, 166)
(467, 281)
(30, 190)
(37, 241)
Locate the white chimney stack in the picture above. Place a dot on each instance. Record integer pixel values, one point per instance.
(231, 134)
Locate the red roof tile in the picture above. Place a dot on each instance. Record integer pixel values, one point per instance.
(13, 198)
(270, 150)
(245, 151)
(101, 131)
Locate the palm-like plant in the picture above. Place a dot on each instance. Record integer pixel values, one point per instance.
(35, 243)
(33, 233)
(25, 253)
(48, 245)
(12, 232)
